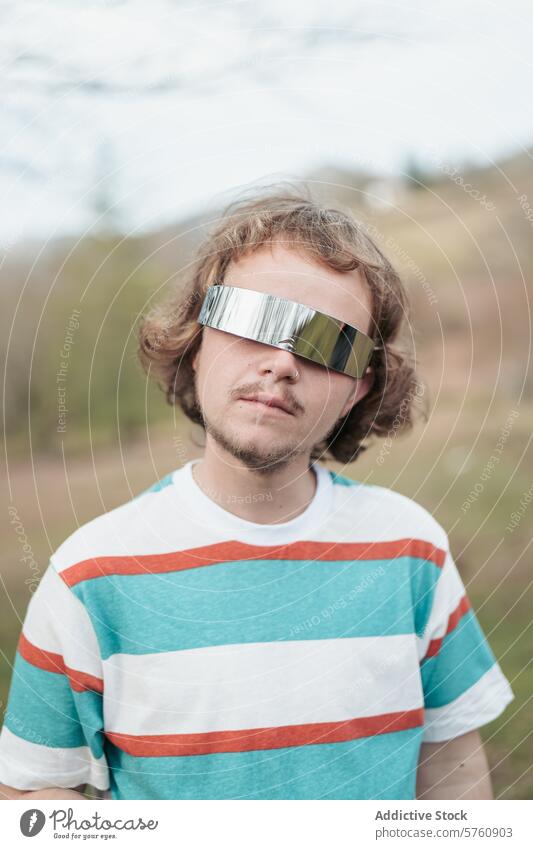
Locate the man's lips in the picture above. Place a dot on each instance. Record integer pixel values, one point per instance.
(277, 405)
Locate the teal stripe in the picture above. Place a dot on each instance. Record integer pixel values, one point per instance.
(464, 656)
(167, 481)
(343, 481)
(157, 486)
(255, 601)
(378, 767)
(424, 578)
(43, 709)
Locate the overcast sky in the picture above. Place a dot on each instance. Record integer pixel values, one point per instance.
(181, 104)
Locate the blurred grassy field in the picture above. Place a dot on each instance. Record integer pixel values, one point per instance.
(469, 272)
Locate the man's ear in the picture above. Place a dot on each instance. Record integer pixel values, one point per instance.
(362, 387)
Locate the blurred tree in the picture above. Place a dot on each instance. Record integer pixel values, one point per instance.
(415, 175)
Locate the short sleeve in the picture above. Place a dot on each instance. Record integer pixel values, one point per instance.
(53, 725)
(464, 686)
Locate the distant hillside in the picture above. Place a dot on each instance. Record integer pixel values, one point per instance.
(463, 242)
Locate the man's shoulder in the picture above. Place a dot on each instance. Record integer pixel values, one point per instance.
(392, 512)
(122, 530)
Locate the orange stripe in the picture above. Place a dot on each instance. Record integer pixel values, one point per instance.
(246, 740)
(52, 662)
(232, 550)
(453, 619)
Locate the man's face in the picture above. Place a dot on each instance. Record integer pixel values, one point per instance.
(228, 367)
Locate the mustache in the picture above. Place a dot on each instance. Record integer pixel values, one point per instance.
(253, 388)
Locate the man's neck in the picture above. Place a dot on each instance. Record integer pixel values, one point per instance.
(256, 497)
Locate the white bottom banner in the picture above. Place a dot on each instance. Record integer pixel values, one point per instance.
(269, 824)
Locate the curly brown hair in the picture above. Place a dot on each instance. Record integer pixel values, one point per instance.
(169, 335)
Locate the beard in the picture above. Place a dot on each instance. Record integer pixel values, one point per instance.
(263, 461)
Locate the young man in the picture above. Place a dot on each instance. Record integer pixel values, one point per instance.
(255, 626)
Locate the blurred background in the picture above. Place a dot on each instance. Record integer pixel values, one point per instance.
(126, 127)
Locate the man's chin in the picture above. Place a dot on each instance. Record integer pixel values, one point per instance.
(263, 458)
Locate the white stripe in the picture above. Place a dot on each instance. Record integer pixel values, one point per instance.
(57, 621)
(481, 703)
(172, 520)
(260, 685)
(378, 514)
(32, 766)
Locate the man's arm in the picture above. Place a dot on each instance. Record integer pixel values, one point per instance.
(7, 792)
(66, 725)
(454, 769)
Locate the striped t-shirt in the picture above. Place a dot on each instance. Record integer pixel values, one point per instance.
(173, 650)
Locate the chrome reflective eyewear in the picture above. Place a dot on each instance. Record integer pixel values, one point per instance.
(289, 325)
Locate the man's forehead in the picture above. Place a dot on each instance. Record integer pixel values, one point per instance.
(290, 273)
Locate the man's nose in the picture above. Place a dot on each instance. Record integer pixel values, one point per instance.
(280, 363)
